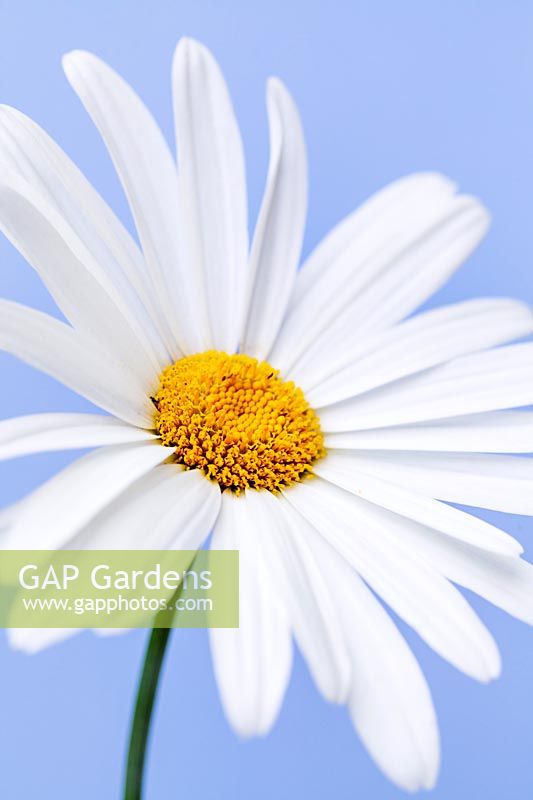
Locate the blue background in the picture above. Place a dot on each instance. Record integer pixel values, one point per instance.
(384, 88)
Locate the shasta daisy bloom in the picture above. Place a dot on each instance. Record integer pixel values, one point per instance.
(304, 416)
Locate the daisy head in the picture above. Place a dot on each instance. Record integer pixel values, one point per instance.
(301, 413)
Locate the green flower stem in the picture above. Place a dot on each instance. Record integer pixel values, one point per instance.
(140, 727)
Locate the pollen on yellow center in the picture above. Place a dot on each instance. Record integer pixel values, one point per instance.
(236, 420)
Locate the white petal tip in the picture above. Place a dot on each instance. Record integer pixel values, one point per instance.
(74, 55)
(276, 85)
(190, 42)
(484, 217)
(31, 641)
(75, 59)
(248, 733)
(188, 49)
(418, 778)
(279, 95)
(18, 643)
(490, 670)
(247, 728)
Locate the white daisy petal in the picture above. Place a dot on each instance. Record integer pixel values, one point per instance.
(8, 514)
(33, 640)
(488, 381)
(390, 489)
(44, 433)
(415, 591)
(77, 283)
(502, 483)
(497, 432)
(169, 507)
(504, 581)
(149, 176)
(29, 152)
(58, 350)
(107, 632)
(252, 663)
(280, 226)
(355, 253)
(306, 595)
(58, 509)
(388, 210)
(213, 187)
(396, 273)
(420, 343)
(390, 703)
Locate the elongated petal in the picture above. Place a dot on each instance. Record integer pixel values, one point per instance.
(29, 152)
(502, 483)
(397, 265)
(389, 208)
(390, 703)
(279, 231)
(166, 508)
(33, 640)
(415, 591)
(252, 662)
(76, 281)
(44, 433)
(505, 581)
(385, 488)
(213, 187)
(58, 509)
(149, 177)
(58, 350)
(497, 432)
(312, 613)
(490, 381)
(418, 344)
(355, 255)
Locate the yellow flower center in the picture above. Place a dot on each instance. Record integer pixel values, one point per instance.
(235, 419)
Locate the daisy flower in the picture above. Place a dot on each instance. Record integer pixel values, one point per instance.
(304, 416)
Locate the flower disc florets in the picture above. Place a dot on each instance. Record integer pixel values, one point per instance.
(235, 419)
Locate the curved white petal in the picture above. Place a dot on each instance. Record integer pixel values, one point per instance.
(169, 507)
(502, 483)
(389, 489)
(44, 433)
(420, 343)
(75, 280)
(33, 640)
(393, 269)
(504, 581)
(58, 509)
(415, 591)
(368, 226)
(27, 150)
(389, 702)
(58, 350)
(497, 379)
(355, 255)
(497, 432)
(149, 177)
(278, 235)
(308, 599)
(252, 663)
(213, 188)
(106, 632)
